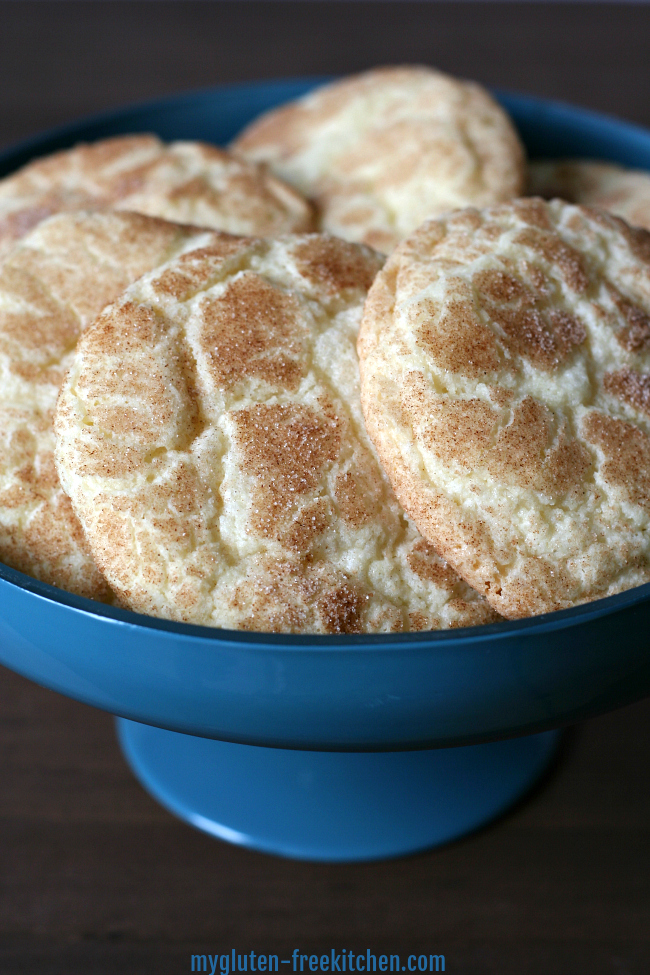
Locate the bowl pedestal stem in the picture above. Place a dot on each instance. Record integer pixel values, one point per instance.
(333, 806)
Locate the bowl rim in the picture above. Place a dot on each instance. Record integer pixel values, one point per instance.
(485, 633)
(36, 145)
(538, 110)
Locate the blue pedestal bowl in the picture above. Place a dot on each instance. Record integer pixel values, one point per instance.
(333, 748)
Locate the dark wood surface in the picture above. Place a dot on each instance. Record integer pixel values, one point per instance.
(94, 876)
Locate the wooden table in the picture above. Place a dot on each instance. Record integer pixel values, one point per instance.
(94, 876)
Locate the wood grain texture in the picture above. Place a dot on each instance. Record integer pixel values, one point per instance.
(95, 877)
(64, 59)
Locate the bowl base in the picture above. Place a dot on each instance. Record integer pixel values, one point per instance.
(333, 806)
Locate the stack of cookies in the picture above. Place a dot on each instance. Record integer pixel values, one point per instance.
(218, 456)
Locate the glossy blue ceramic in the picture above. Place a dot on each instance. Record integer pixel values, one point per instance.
(320, 696)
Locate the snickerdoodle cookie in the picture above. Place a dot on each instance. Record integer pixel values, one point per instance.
(381, 151)
(52, 284)
(624, 192)
(505, 359)
(187, 182)
(210, 436)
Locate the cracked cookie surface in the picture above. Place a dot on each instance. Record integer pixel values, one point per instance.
(382, 151)
(52, 284)
(185, 182)
(210, 437)
(590, 182)
(505, 361)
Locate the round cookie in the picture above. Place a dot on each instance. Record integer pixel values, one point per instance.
(210, 436)
(381, 151)
(52, 284)
(624, 192)
(505, 363)
(187, 182)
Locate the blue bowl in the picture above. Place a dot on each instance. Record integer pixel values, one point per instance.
(419, 690)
